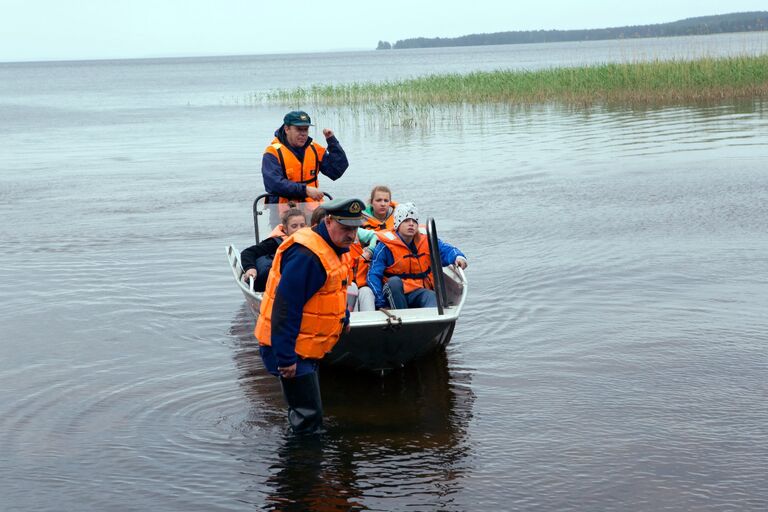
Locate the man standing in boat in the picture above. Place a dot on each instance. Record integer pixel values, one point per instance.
(303, 310)
(293, 161)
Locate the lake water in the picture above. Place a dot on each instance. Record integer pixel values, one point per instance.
(611, 355)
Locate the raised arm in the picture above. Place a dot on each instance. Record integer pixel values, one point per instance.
(335, 161)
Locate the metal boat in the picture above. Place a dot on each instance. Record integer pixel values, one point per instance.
(386, 339)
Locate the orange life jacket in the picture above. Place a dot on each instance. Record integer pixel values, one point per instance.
(305, 171)
(371, 222)
(323, 315)
(278, 232)
(358, 266)
(413, 268)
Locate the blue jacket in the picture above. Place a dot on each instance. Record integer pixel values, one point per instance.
(302, 275)
(333, 165)
(382, 258)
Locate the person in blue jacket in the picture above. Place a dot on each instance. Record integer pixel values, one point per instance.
(400, 274)
(293, 161)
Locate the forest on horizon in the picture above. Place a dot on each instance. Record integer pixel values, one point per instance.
(703, 25)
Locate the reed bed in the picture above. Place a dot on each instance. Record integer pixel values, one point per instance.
(676, 81)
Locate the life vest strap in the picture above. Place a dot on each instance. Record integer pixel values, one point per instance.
(317, 167)
(282, 161)
(420, 275)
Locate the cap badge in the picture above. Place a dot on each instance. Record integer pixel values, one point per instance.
(354, 207)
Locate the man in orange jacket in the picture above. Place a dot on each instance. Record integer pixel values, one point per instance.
(292, 163)
(303, 310)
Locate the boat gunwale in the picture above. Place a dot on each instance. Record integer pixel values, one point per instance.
(406, 316)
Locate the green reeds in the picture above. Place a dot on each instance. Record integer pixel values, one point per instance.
(676, 81)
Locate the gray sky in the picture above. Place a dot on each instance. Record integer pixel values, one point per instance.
(93, 29)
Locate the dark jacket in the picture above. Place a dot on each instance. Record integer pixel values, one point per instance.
(302, 275)
(266, 247)
(260, 257)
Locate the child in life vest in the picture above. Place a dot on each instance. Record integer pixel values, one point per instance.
(400, 274)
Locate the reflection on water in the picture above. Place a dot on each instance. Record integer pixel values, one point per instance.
(407, 428)
(610, 356)
(313, 476)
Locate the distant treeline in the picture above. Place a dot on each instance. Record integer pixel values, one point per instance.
(735, 22)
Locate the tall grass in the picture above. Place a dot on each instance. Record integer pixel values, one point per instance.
(675, 81)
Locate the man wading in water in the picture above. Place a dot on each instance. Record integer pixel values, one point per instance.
(304, 308)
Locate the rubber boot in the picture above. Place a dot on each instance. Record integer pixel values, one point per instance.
(305, 408)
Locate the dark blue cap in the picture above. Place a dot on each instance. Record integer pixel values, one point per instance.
(347, 211)
(297, 118)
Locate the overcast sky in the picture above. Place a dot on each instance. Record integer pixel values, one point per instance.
(94, 29)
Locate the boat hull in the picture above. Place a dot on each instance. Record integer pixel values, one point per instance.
(382, 341)
(382, 349)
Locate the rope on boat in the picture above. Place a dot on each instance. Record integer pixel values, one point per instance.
(394, 322)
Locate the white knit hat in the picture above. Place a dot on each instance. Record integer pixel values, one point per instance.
(405, 211)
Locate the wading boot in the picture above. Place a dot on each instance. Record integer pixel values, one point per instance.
(305, 409)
